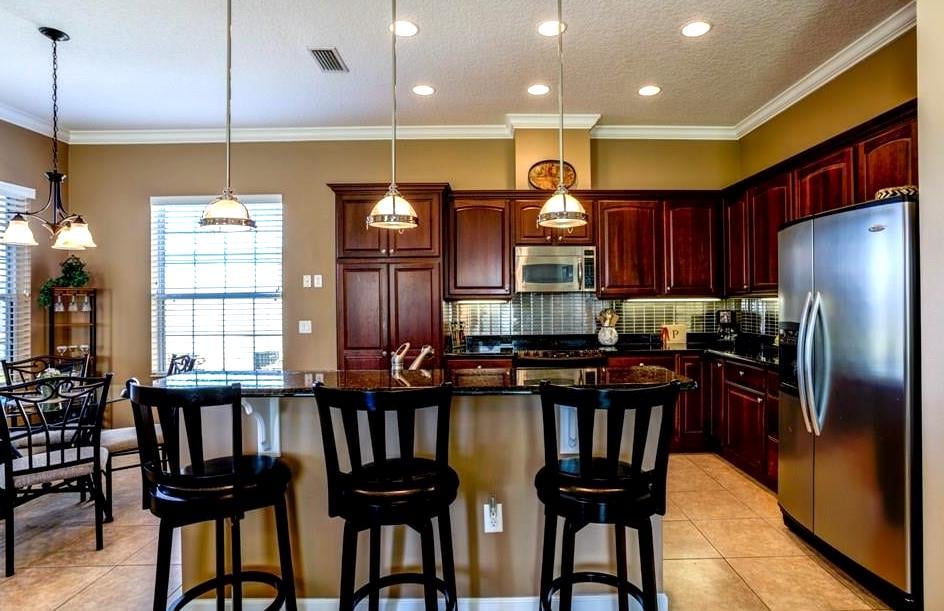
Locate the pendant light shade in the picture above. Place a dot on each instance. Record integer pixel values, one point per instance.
(561, 210)
(18, 233)
(227, 213)
(74, 235)
(393, 211)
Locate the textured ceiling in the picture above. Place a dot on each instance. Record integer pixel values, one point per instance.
(136, 64)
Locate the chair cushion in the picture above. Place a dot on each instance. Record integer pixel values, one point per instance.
(75, 462)
(125, 439)
(596, 494)
(398, 488)
(38, 439)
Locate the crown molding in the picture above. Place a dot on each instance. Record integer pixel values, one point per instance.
(551, 120)
(663, 132)
(882, 34)
(31, 122)
(290, 134)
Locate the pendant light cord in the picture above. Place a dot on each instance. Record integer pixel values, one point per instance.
(393, 140)
(560, 99)
(229, 79)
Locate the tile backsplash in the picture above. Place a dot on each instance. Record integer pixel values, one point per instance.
(575, 313)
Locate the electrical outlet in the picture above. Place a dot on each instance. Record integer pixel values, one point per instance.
(492, 517)
(319, 281)
(304, 327)
(306, 281)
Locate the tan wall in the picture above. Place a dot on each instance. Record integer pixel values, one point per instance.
(931, 218)
(112, 186)
(533, 145)
(881, 82)
(24, 157)
(664, 164)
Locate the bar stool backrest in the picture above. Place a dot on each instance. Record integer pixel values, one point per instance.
(26, 370)
(653, 413)
(171, 404)
(404, 404)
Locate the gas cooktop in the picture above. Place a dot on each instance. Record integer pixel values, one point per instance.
(559, 355)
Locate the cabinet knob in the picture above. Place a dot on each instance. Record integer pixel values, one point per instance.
(548, 238)
(760, 399)
(744, 287)
(642, 364)
(391, 251)
(383, 353)
(560, 237)
(740, 372)
(383, 251)
(718, 364)
(478, 366)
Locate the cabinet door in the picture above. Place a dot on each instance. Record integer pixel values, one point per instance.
(718, 435)
(690, 411)
(423, 241)
(577, 236)
(768, 204)
(772, 417)
(746, 435)
(479, 249)
(642, 360)
(690, 248)
(527, 231)
(630, 253)
(824, 184)
(416, 308)
(362, 316)
(888, 159)
(355, 239)
(735, 246)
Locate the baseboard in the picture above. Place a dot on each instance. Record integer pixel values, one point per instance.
(596, 602)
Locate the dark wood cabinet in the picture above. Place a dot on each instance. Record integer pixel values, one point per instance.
(478, 363)
(824, 184)
(772, 426)
(718, 434)
(381, 305)
(736, 241)
(768, 205)
(887, 159)
(355, 239)
(528, 233)
(691, 262)
(630, 249)
(642, 360)
(478, 248)
(690, 421)
(746, 435)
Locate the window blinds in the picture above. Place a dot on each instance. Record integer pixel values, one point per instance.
(14, 288)
(217, 295)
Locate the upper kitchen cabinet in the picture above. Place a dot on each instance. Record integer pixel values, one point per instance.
(630, 248)
(736, 241)
(528, 233)
(824, 184)
(887, 159)
(478, 248)
(768, 206)
(355, 239)
(691, 262)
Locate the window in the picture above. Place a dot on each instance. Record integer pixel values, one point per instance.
(14, 279)
(217, 295)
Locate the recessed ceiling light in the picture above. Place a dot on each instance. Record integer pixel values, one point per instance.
(404, 28)
(696, 29)
(423, 90)
(538, 89)
(551, 28)
(649, 90)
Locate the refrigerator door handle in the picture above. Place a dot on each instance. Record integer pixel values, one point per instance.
(816, 416)
(801, 363)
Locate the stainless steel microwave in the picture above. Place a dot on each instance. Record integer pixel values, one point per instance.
(555, 269)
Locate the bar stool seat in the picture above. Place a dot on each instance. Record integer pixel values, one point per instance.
(396, 490)
(602, 496)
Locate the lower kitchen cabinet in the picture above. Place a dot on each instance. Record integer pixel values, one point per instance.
(717, 434)
(772, 416)
(747, 434)
(690, 421)
(642, 360)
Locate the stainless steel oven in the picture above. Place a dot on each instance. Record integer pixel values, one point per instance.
(555, 269)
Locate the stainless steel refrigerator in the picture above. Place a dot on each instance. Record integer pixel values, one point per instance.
(848, 465)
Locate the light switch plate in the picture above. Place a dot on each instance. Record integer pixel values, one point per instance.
(304, 327)
(306, 281)
(319, 281)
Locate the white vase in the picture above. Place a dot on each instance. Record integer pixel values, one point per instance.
(607, 336)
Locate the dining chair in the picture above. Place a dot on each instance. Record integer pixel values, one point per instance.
(61, 423)
(25, 370)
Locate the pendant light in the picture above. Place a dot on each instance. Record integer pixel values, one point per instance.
(562, 210)
(68, 231)
(393, 212)
(227, 213)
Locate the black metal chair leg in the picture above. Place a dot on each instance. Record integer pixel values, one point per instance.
(348, 566)
(647, 563)
(9, 542)
(285, 555)
(429, 565)
(374, 596)
(100, 502)
(165, 540)
(621, 571)
(567, 565)
(548, 554)
(237, 565)
(448, 561)
(220, 565)
(108, 491)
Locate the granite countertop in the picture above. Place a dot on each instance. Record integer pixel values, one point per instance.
(522, 380)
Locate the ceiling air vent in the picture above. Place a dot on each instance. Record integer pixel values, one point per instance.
(329, 60)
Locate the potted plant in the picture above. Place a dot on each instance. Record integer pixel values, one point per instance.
(73, 275)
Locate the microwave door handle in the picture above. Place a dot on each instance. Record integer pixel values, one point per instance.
(580, 275)
(801, 363)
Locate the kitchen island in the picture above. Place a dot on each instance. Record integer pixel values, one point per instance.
(495, 446)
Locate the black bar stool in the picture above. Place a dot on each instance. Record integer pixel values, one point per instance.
(600, 488)
(408, 490)
(216, 489)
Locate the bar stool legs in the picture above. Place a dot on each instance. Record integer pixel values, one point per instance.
(448, 562)
(621, 572)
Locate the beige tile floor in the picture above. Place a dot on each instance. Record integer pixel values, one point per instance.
(725, 548)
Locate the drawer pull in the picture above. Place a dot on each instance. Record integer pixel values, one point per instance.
(740, 372)
(760, 399)
(383, 251)
(478, 366)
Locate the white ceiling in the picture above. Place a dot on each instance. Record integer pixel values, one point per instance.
(136, 64)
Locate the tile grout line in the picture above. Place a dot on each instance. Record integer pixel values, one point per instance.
(92, 583)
